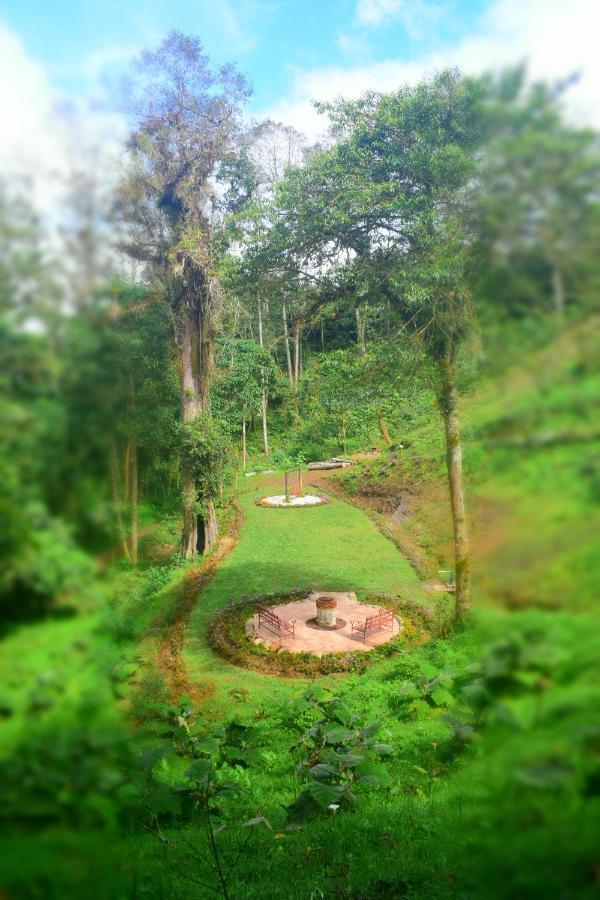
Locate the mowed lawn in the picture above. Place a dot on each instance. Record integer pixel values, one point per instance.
(330, 547)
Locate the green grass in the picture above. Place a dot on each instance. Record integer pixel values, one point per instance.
(329, 547)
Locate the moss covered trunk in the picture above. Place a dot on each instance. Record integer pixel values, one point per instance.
(197, 351)
(449, 408)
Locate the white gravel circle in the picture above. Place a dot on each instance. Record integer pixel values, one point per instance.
(306, 500)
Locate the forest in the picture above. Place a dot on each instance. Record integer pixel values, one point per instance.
(410, 302)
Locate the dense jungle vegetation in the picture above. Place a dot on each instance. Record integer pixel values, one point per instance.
(418, 294)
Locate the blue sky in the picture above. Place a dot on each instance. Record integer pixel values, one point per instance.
(293, 52)
(79, 41)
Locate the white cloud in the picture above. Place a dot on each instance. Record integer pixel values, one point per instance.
(42, 137)
(555, 38)
(107, 58)
(373, 12)
(418, 17)
(233, 27)
(30, 149)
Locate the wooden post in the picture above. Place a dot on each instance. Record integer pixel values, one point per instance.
(287, 492)
(299, 482)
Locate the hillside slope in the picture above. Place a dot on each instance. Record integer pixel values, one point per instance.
(531, 441)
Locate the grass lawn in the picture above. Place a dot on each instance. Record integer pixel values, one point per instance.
(330, 547)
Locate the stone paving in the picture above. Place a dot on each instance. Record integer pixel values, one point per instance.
(309, 639)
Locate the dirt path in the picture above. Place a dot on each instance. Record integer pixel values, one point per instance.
(168, 658)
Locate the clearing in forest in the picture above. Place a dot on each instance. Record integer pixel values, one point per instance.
(334, 546)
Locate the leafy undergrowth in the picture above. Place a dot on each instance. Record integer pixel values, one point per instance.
(462, 767)
(466, 766)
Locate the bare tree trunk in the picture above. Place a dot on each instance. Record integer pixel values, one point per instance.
(263, 402)
(361, 329)
(288, 356)
(264, 423)
(133, 477)
(244, 444)
(449, 408)
(296, 354)
(133, 539)
(344, 438)
(114, 496)
(126, 470)
(558, 290)
(383, 428)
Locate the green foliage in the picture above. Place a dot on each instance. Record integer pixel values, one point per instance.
(206, 451)
(342, 756)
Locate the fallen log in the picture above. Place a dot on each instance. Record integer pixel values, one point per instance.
(330, 464)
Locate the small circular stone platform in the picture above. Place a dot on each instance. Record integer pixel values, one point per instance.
(280, 501)
(310, 639)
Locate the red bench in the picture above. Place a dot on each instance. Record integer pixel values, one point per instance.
(270, 619)
(382, 619)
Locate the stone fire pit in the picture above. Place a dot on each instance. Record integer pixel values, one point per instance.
(326, 612)
(327, 632)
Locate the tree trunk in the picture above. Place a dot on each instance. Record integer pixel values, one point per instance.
(133, 481)
(383, 428)
(263, 401)
(189, 536)
(449, 408)
(132, 456)
(244, 444)
(114, 496)
(558, 291)
(196, 340)
(211, 529)
(265, 428)
(297, 350)
(126, 471)
(344, 439)
(361, 329)
(288, 356)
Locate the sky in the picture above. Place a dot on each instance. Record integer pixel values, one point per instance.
(72, 53)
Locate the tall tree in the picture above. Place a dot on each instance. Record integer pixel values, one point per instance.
(186, 121)
(390, 205)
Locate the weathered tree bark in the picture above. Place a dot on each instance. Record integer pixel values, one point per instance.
(558, 291)
(263, 402)
(288, 355)
(114, 496)
(126, 471)
(449, 407)
(361, 329)
(197, 351)
(133, 481)
(383, 428)
(244, 444)
(297, 352)
(133, 477)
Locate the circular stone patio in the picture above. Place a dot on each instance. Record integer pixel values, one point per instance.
(279, 501)
(311, 639)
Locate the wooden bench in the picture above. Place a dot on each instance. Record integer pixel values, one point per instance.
(382, 619)
(270, 619)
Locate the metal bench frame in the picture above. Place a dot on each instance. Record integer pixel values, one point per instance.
(382, 619)
(270, 619)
